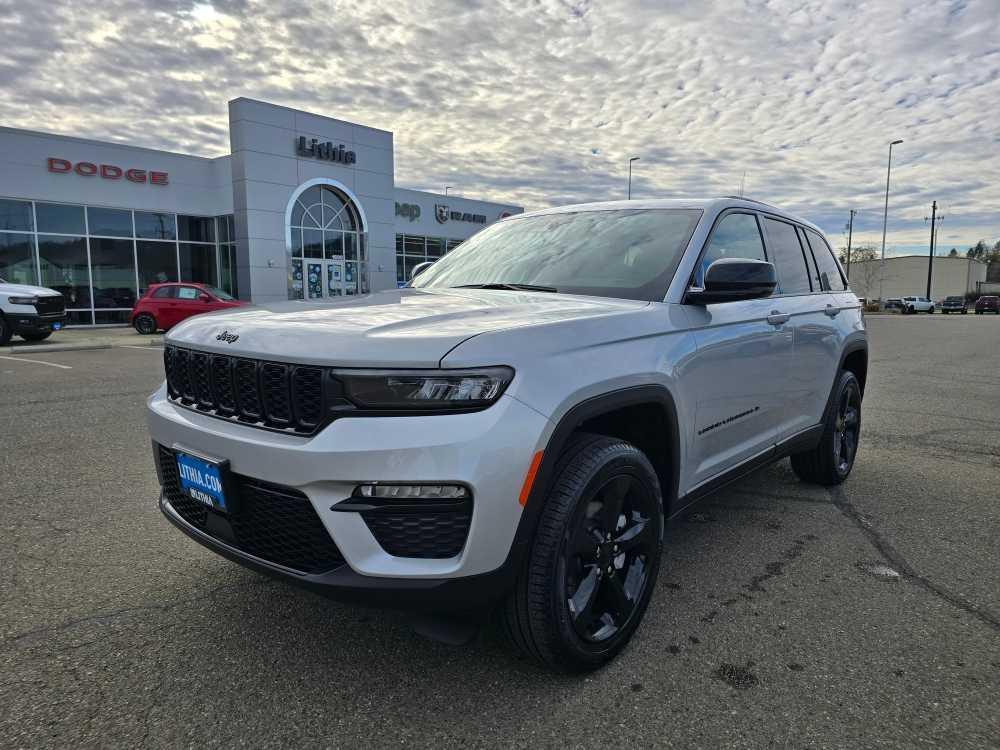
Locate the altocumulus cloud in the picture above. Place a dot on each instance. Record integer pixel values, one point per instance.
(541, 102)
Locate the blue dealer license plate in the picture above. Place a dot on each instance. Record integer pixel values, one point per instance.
(202, 481)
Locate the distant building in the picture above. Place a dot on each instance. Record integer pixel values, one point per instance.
(907, 276)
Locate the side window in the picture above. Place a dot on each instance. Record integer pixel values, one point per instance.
(736, 236)
(164, 292)
(187, 292)
(814, 278)
(789, 262)
(829, 271)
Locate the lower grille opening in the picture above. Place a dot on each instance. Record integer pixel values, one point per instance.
(429, 535)
(271, 521)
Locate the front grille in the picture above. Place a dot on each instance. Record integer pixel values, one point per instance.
(273, 395)
(269, 521)
(51, 305)
(429, 535)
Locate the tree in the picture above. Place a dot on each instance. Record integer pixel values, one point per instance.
(864, 270)
(978, 251)
(953, 253)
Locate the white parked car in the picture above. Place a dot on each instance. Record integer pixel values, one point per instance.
(913, 305)
(32, 312)
(511, 434)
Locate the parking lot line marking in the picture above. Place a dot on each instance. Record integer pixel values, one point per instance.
(149, 348)
(37, 362)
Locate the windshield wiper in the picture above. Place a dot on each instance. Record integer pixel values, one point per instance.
(514, 287)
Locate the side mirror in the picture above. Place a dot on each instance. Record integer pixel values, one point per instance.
(204, 297)
(734, 279)
(420, 268)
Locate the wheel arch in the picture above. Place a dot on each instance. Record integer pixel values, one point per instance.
(645, 415)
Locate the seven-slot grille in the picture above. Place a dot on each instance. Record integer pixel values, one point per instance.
(270, 521)
(273, 395)
(53, 304)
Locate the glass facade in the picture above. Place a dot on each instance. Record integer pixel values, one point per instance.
(103, 259)
(328, 252)
(412, 250)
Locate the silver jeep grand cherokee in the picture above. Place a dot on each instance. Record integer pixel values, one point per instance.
(510, 434)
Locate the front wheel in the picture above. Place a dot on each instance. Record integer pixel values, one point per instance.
(5, 331)
(594, 561)
(144, 324)
(40, 336)
(830, 462)
(931, 311)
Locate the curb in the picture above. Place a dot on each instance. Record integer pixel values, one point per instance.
(27, 350)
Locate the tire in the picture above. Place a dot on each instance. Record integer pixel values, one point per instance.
(36, 336)
(931, 311)
(831, 461)
(5, 331)
(965, 312)
(144, 324)
(576, 566)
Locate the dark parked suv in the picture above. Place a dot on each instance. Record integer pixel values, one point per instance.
(955, 304)
(988, 303)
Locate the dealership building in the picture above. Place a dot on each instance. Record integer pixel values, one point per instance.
(906, 276)
(304, 207)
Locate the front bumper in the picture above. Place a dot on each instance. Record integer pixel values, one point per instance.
(33, 323)
(488, 451)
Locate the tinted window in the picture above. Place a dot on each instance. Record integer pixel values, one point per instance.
(16, 215)
(17, 259)
(626, 253)
(196, 228)
(814, 278)
(63, 264)
(187, 292)
(829, 272)
(157, 263)
(113, 267)
(197, 263)
(109, 221)
(164, 292)
(155, 226)
(60, 218)
(790, 264)
(736, 236)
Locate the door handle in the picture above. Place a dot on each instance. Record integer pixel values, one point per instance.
(776, 318)
(832, 311)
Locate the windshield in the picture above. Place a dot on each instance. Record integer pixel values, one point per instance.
(628, 253)
(216, 292)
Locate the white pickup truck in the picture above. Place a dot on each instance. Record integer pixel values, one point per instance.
(917, 304)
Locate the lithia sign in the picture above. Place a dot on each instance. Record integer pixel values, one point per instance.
(325, 151)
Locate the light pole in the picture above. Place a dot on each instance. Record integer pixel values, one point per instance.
(446, 189)
(885, 220)
(631, 159)
(850, 233)
(930, 261)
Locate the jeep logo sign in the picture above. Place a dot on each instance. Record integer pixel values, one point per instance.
(105, 171)
(410, 210)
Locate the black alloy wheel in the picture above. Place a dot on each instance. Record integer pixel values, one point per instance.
(831, 461)
(607, 555)
(848, 428)
(145, 324)
(594, 559)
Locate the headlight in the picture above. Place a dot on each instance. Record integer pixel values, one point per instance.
(425, 389)
(22, 300)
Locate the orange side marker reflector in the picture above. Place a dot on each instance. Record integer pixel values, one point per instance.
(529, 478)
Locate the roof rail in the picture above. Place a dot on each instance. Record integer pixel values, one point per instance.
(751, 200)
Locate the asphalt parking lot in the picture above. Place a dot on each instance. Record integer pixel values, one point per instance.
(786, 615)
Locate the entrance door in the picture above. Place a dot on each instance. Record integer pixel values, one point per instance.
(334, 277)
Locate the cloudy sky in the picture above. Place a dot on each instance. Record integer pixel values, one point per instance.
(541, 102)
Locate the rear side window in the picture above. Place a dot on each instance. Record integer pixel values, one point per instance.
(736, 236)
(829, 272)
(789, 262)
(187, 292)
(164, 292)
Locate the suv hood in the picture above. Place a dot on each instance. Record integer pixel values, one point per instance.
(25, 289)
(396, 328)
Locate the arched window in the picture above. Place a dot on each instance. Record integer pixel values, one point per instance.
(328, 247)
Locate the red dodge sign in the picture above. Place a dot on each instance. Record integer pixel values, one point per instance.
(107, 171)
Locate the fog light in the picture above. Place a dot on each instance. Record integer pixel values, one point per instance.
(412, 491)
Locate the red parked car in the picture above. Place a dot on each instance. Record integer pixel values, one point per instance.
(988, 303)
(165, 305)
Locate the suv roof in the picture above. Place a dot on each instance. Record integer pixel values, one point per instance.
(710, 205)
